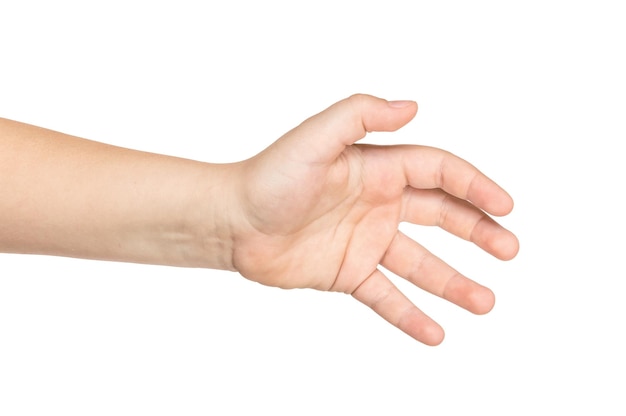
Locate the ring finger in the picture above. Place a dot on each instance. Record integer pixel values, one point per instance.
(410, 260)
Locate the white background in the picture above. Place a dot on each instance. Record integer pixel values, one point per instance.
(532, 92)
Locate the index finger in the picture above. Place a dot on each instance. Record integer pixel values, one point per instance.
(428, 167)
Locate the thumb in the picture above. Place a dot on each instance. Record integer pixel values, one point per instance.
(324, 136)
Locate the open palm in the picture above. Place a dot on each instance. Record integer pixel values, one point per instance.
(322, 212)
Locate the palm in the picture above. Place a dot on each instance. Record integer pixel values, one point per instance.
(326, 231)
(323, 213)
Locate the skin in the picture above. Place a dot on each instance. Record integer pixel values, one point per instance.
(313, 210)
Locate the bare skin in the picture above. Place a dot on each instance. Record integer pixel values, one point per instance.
(313, 210)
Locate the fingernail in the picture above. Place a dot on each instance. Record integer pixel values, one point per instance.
(400, 104)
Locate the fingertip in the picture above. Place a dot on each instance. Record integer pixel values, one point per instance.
(510, 244)
(507, 205)
(422, 328)
(497, 202)
(469, 295)
(407, 108)
(483, 301)
(502, 244)
(510, 251)
(435, 338)
(489, 196)
(378, 114)
(400, 104)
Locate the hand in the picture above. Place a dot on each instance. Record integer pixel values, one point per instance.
(318, 211)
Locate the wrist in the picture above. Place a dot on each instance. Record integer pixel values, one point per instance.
(211, 218)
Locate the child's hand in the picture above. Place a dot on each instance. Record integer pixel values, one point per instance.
(312, 210)
(317, 211)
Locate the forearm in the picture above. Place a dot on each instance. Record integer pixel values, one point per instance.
(62, 195)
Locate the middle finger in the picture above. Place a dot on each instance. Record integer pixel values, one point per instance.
(459, 217)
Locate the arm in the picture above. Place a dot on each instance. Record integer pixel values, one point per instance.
(67, 196)
(312, 210)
